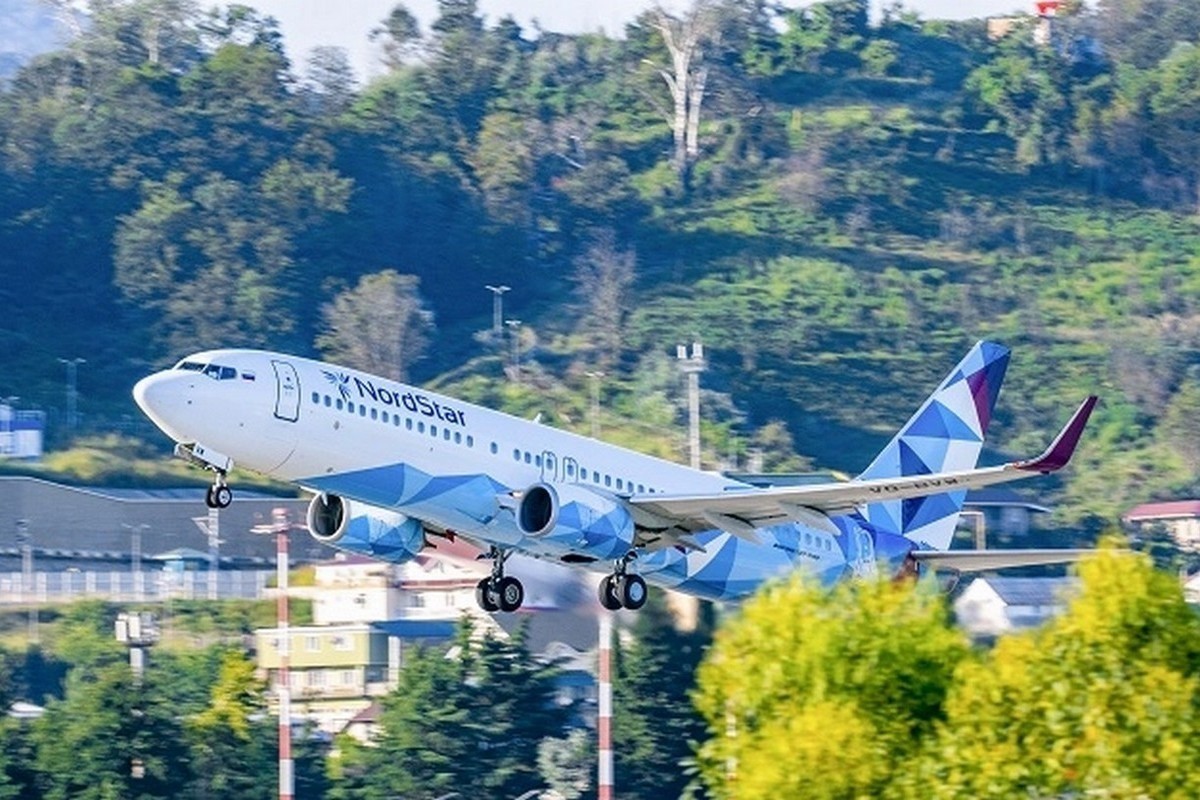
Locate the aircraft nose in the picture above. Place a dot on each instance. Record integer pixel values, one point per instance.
(158, 395)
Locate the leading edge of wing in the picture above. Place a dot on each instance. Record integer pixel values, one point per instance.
(757, 507)
(981, 560)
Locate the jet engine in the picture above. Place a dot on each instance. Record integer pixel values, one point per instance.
(367, 530)
(578, 519)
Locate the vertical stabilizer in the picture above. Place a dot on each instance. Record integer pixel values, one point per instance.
(945, 435)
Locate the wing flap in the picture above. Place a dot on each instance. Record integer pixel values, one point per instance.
(982, 560)
(758, 507)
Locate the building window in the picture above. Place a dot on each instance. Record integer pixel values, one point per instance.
(312, 644)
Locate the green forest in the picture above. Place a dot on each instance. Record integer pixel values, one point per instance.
(836, 206)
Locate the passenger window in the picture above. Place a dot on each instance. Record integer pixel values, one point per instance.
(494, 448)
(528, 458)
(470, 441)
(350, 406)
(433, 431)
(339, 405)
(316, 399)
(408, 423)
(362, 411)
(213, 371)
(328, 401)
(446, 434)
(374, 413)
(516, 454)
(620, 484)
(384, 417)
(457, 437)
(420, 427)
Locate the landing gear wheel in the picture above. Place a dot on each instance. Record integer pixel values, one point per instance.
(511, 594)
(218, 496)
(486, 597)
(608, 593)
(631, 590)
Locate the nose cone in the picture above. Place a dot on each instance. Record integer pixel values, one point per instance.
(160, 396)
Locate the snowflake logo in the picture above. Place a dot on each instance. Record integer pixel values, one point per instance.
(339, 380)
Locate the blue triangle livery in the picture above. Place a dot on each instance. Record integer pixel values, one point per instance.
(391, 466)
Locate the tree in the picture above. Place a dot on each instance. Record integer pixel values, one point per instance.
(400, 36)
(655, 727)
(469, 723)
(1175, 103)
(603, 277)
(108, 738)
(687, 77)
(567, 764)
(825, 694)
(1102, 700)
(381, 326)
(232, 742)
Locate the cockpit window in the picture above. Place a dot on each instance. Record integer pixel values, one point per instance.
(190, 366)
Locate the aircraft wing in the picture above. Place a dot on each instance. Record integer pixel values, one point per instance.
(980, 560)
(741, 511)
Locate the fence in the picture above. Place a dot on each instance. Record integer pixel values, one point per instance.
(132, 587)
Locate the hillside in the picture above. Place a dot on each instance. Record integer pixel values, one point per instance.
(854, 205)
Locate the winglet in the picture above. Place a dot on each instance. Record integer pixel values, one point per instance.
(1063, 447)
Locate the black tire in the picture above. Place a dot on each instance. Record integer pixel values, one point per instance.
(631, 589)
(209, 500)
(608, 594)
(485, 597)
(222, 496)
(510, 594)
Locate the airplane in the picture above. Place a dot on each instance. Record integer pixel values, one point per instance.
(391, 465)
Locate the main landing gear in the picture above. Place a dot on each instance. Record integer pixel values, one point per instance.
(623, 589)
(499, 592)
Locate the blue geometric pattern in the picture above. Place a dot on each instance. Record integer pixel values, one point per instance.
(944, 435)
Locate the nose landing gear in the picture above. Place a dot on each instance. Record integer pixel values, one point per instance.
(219, 495)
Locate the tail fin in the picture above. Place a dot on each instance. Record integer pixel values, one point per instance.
(945, 435)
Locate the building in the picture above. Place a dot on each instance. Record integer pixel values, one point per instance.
(992, 605)
(1180, 519)
(1001, 510)
(21, 433)
(337, 671)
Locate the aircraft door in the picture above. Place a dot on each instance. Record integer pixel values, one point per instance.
(287, 391)
(549, 466)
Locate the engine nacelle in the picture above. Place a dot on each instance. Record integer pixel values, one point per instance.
(576, 518)
(369, 531)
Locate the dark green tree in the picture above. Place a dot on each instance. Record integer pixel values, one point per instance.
(468, 723)
(110, 738)
(655, 727)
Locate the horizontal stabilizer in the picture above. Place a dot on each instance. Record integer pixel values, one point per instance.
(981, 560)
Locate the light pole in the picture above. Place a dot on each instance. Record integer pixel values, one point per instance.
(497, 309)
(281, 526)
(25, 541)
(514, 327)
(72, 365)
(595, 375)
(604, 783)
(211, 527)
(135, 560)
(692, 366)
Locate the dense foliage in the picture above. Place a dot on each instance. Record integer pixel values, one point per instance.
(870, 692)
(838, 208)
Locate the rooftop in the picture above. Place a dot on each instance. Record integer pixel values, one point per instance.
(1171, 509)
